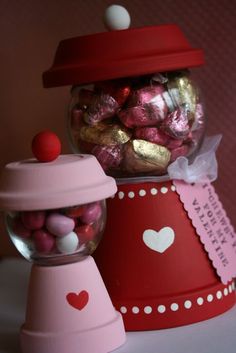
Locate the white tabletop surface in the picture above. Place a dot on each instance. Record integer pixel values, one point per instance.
(217, 335)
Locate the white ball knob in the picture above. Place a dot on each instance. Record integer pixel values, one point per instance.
(116, 17)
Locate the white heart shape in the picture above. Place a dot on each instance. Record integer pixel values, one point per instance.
(159, 241)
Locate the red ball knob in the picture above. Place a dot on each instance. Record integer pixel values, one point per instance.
(46, 146)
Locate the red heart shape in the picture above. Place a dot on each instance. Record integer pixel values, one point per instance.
(78, 301)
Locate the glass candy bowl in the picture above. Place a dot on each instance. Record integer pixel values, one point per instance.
(57, 236)
(137, 126)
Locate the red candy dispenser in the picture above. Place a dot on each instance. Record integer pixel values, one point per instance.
(167, 255)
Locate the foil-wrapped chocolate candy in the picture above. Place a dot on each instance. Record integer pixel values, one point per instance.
(152, 134)
(151, 97)
(108, 156)
(102, 134)
(102, 106)
(118, 89)
(139, 116)
(141, 156)
(183, 92)
(178, 152)
(126, 121)
(176, 124)
(76, 118)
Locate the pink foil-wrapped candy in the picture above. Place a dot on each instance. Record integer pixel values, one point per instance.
(152, 134)
(176, 124)
(174, 143)
(102, 107)
(76, 118)
(139, 116)
(178, 152)
(152, 98)
(108, 156)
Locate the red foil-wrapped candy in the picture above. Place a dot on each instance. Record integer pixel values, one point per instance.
(118, 89)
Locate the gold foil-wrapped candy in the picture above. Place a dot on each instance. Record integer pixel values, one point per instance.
(102, 134)
(183, 93)
(143, 156)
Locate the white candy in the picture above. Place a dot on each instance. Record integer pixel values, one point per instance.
(116, 17)
(67, 244)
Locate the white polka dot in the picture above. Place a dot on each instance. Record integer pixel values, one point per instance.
(142, 192)
(230, 288)
(161, 309)
(123, 309)
(135, 310)
(148, 309)
(219, 294)
(121, 195)
(209, 298)
(200, 301)
(233, 286)
(154, 191)
(226, 292)
(112, 197)
(131, 194)
(174, 306)
(164, 190)
(187, 304)
(173, 188)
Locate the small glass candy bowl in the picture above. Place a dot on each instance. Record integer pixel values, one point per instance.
(56, 211)
(50, 236)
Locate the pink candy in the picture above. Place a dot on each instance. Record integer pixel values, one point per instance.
(151, 98)
(108, 156)
(33, 219)
(44, 242)
(151, 134)
(91, 213)
(76, 118)
(102, 107)
(59, 224)
(178, 152)
(173, 143)
(139, 116)
(176, 124)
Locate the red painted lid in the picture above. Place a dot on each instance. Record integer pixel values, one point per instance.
(122, 53)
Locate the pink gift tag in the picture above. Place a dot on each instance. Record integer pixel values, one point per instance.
(212, 225)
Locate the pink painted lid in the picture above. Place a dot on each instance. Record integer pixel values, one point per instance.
(69, 180)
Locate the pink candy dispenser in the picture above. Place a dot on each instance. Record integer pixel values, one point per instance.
(136, 107)
(55, 216)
